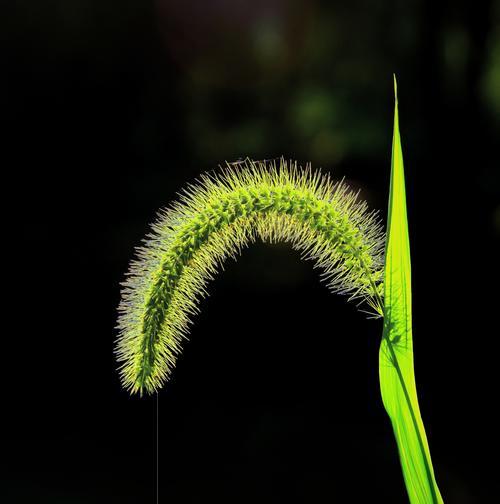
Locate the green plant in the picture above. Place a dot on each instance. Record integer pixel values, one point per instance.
(225, 212)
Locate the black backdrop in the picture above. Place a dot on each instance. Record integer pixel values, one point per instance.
(108, 108)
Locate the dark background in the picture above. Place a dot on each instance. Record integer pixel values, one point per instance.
(108, 108)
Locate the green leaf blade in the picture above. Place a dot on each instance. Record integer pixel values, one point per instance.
(396, 371)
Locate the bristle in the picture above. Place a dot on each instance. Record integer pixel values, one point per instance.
(215, 218)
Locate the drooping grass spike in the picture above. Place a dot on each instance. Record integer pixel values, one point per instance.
(216, 218)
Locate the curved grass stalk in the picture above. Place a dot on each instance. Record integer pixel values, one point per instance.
(216, 218)
(247, 201)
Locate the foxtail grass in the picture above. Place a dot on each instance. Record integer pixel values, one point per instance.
(224, 212)
(216, 218)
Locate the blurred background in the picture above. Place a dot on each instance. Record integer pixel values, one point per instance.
(108, 108)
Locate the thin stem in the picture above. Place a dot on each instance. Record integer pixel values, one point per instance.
(157, 447)
(405, 390)
(413, 417)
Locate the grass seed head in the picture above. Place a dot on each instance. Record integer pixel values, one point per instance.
(216, 218)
